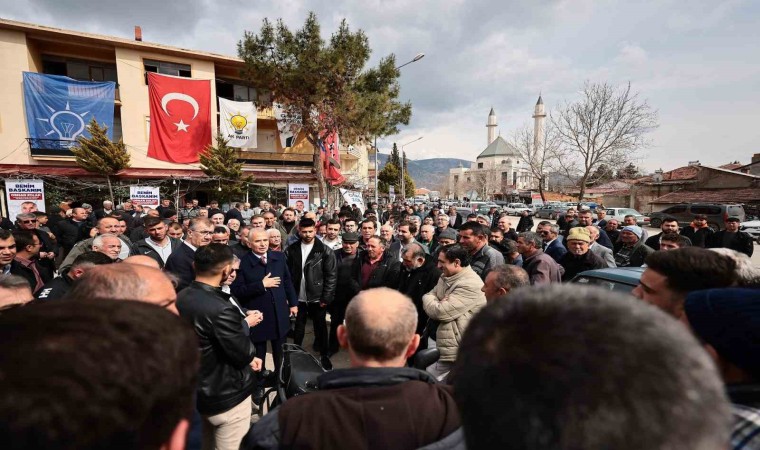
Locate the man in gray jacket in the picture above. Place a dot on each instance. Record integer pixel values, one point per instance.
(604, 253)
(473, 237)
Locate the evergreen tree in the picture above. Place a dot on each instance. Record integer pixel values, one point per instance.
(324, 86)
(394, 158)
(99, 154)
(629, 172)
(390, 175)
(221, 162)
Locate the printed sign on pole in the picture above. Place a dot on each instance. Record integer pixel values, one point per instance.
(145, 196)
(536, 199)
(298, 193)
(353, 198)
(20, 194)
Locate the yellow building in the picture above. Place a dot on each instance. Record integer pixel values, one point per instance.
(85, 56)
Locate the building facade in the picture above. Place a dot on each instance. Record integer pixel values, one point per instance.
(83, 56)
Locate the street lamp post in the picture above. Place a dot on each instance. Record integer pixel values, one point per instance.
(403, 157)
(416, 58)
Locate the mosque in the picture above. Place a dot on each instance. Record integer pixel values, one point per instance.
(498, 173)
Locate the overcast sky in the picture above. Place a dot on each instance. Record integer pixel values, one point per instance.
(696, 62)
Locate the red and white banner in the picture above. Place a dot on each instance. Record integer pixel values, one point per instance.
(180, 118)
(331, 159)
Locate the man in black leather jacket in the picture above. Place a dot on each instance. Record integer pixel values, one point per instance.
(228, 357)
(314, 273)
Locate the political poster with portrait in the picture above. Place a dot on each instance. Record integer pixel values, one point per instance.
(145, 196)
(353, 198)
(237, 121)
(289, 124)
(23, 195)
(298, 193)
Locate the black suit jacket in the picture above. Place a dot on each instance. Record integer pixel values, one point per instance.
(180, 263)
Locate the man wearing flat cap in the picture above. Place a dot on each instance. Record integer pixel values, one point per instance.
(579, 258)
(630, 250)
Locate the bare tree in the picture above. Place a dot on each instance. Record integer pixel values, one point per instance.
(486, 181)
(537, 152)
(605, 126)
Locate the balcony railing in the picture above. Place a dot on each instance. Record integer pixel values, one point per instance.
(50, 147)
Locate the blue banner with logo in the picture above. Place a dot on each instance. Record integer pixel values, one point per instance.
(59, 108)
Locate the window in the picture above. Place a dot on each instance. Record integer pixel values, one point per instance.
(244, 93)
(680, 209)
(79, 69)
(480, 165)
(503, 161)
(706, 210)
(166, 68)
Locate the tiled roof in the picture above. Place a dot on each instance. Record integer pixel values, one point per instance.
(687, 173)
(731, 166)
(746, 195)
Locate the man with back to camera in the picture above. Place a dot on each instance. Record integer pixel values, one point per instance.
(135, 381)
(502, 279)
(59, 286)
(228, 358)
(378, 402)
(574, 398)
(313, 272)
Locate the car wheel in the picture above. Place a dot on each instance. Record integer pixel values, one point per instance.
(655, 223)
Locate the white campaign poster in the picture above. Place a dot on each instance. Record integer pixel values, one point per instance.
(288, 125)
(145, 196)
(237, 121)
(353, 198)
(18, 192)
(298, 193)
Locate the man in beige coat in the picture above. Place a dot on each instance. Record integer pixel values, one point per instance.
(452, 303)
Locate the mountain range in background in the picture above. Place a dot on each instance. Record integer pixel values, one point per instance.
(428, 173)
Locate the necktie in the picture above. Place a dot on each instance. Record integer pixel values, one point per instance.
(264, 259)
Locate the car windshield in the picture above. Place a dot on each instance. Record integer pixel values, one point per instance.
(605, 284)
(626, 211)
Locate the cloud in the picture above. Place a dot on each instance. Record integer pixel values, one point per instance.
(697, 65)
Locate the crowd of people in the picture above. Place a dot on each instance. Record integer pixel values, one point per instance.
(525, 359)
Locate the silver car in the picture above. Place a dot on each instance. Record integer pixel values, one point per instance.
(620, 213)
(753, 228)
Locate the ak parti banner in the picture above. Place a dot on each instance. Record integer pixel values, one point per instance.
(180, 118)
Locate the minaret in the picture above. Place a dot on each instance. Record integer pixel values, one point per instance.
(491, 125)
(539, 116)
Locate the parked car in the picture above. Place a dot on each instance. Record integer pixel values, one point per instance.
(716, 213)
(464, 212)
(620, 213)
(753, 228)
(549, 212)
(620, 279)
(515, 209)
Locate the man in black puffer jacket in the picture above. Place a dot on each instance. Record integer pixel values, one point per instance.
(227, 355)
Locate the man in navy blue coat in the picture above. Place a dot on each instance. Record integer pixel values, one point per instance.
(263, 283)
(180, 262)
(553, 245)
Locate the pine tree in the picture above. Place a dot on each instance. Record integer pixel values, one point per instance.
(221, 162)
(395, 158)
(99, 154)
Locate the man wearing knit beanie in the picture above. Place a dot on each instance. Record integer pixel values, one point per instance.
(579, 258)
(727, 322)
(630, 250)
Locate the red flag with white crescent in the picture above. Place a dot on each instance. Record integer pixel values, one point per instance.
(180, 118)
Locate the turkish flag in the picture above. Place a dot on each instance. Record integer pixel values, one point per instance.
(180, 118)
